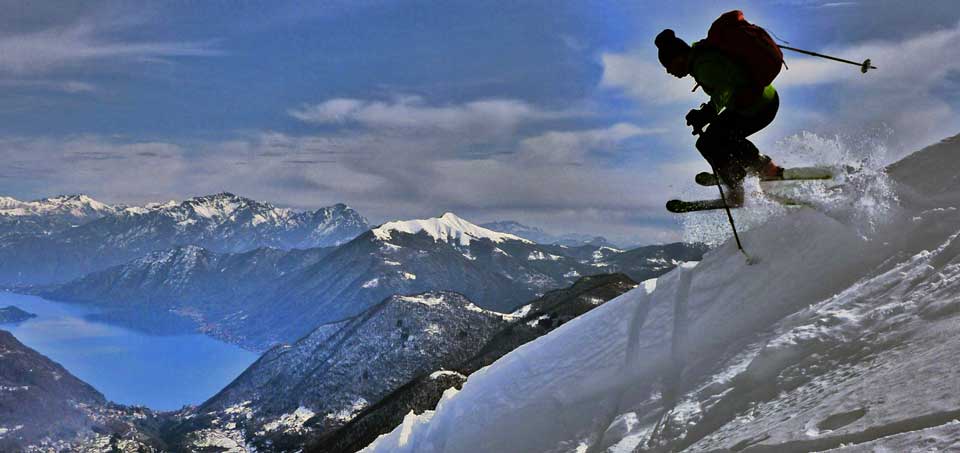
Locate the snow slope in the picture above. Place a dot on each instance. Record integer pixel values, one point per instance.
(833, 340)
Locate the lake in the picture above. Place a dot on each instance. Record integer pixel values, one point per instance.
(161, 372)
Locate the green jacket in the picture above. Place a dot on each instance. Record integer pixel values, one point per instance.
(726, 82)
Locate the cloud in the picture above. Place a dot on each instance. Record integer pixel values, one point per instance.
(572, 147)
(413, 113)
(89, 164)
(50, 49)
(65, 86)
(524, 166)
(914, 64)
(385, 174)
(904, 94)
(120, 170)
(640, 75)
(332, 111)
(73, 86)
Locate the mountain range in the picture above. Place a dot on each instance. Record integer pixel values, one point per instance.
(223, 223)
(267, 296)
(349, 316)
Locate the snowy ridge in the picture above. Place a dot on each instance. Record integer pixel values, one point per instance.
(221, 208)
(829, 340)
(210, 211)
(69, 205)
(227, 215)
(447, 228)
(49, 215)
(133, 210)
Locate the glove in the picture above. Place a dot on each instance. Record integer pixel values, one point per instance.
(698, 118)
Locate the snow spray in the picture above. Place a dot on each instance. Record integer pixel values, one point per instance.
(860, 195)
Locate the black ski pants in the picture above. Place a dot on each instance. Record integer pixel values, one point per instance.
(724, 143)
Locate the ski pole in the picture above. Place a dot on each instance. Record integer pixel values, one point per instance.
(729, 215)
(864, 67)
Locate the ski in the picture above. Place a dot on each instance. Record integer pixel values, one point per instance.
(680, 206)
(789, 174)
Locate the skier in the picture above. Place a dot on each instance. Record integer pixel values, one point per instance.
(738, 108)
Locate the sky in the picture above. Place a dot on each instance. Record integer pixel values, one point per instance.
(552, 113)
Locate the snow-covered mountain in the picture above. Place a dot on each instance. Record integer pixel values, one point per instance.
(228, 223)
(78, 207)
(223, 223)
(259, 299)
(834, 340)
(48, 215)
(321, 381)
(447, 228)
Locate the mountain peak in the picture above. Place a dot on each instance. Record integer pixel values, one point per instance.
(72, 198)
(222, 196)
(224, 205)
(446, 228)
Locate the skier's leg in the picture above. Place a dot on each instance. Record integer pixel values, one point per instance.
(762, 165)
(735, 127)
(717, 144)
(748, 125)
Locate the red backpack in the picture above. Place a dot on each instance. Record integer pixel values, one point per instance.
(747, 44)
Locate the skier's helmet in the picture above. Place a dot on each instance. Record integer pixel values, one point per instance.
(669, 46)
